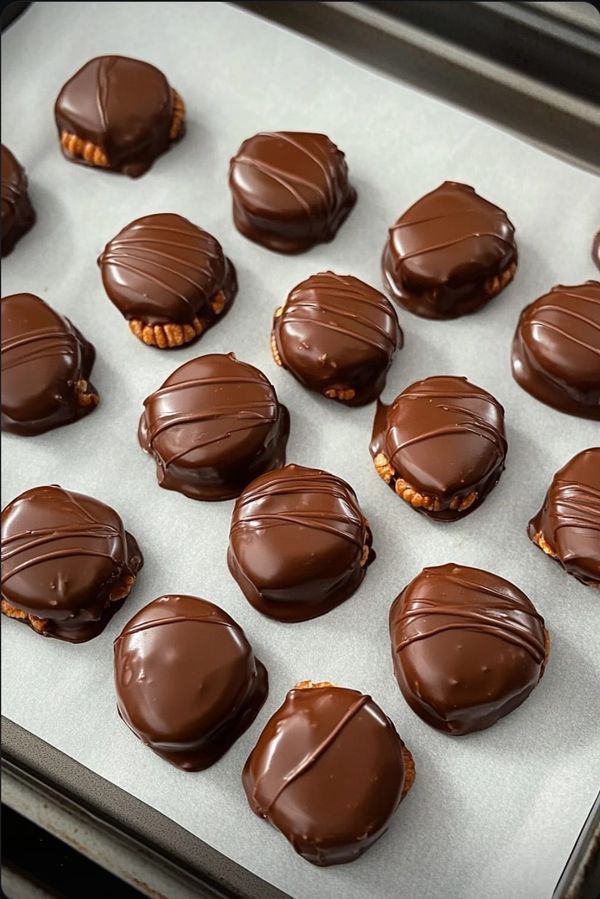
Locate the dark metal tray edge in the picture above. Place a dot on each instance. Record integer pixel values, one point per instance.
(63, 781)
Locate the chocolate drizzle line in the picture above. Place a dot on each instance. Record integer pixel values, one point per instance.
(467, 647)
(46, 365)
(118, 251)
(311, 483)
(121, 108)
(221, 416)
(568, 524)
(287, 179)
(425, 437)
(17, 212)
(348, 295)
(272, 167)
(299, 544)
(162, 269)
(89, 528)
(311, 757)
(556, 349)
(328, 771)
(89, 562)
(445, 251)
(337, 336)
(483, 619)
(64, 343)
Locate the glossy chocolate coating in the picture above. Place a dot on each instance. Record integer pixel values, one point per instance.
(328, 771)
(17, 212)
(213, 426)
(443, 254)
(445, 437)
(299, 543)
(163, 269)
(596, 250)
(124, 106)
(569, 520)
(556, 349)
(67, 561)
(188, 684)
(468, 647)
(290, 190)
(337, 334)
(46, 364)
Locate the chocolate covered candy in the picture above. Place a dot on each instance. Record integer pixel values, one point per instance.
(213, 426)
(290, 190)
(440, 446)
(118, 113)
(596, 250)
(299, 544)
(188, 684)
(168, 278)
(46, 365)
(468, 647)
(567, 527)
(337, 336)
(68, 564)
(556, 349)
(17, 212)
(328, 771)
(449, 253)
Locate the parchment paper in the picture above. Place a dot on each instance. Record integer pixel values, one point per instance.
(494, 814)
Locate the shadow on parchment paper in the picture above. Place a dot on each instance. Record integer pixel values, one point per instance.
(421, 813)
(422, 356)
(569, 672)
(48, 207)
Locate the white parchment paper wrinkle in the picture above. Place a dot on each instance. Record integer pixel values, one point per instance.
(493, 814)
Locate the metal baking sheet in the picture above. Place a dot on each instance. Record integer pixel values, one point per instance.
(492, 814)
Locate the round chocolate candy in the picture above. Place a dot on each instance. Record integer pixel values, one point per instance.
(290, 190)
(450, 253)
(567, 527)
(214, 426)
(46, 364)
(337, 336)
(299, 544)
(440, 446)
(188, 684)
(328, 771)
(556, 349)
(169, 279)
(118, 113)
(596, 250)
(468, 647)
(17, 212)
(68, 564)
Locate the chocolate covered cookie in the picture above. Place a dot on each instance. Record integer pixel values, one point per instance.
(449, 253)
(329, 770)
(17, 212)
(440, 446)
(214, 426)
(118, 113)
(468, 647)
(290, 190)
(68, 564)
(337, 336)
(168, 278)
(556, 349)
(46, 366)
(567, 527)
(299, 544)
(188, 684)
